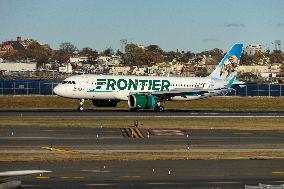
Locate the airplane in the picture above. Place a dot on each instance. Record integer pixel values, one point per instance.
(148, 92)
(7, 178)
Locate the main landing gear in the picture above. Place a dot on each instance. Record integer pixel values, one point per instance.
(80, 108)
(158, 107)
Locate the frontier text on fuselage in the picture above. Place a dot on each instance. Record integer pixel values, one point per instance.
(132, 84)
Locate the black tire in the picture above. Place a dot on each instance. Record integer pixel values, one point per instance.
(161, 108)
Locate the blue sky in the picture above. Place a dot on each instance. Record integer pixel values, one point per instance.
(194, 25)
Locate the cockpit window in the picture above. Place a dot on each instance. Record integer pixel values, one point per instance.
(68, 82)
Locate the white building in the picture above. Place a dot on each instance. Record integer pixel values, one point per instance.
(109, 60)
(264, 71)
(252, 49)
(102, 59)
(119, 70)
(139, 70)
(17, 67)
(67, 68)
(78, 59)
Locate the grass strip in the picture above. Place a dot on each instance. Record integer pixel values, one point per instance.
(219, 103)
(9, 157)
(192, 123)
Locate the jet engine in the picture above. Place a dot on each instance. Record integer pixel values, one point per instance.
(141, 101)
(105, 103)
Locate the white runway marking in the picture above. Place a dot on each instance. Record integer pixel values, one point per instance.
(162, 116)
(185, 116)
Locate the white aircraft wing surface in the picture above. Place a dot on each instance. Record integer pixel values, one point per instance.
(189, 91)
(22, 173)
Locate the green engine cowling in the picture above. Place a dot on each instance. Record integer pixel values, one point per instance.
(141, 101)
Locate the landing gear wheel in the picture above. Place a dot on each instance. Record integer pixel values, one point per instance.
(80, 108)
(161, 108)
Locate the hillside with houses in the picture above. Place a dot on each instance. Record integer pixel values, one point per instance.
(29, 58)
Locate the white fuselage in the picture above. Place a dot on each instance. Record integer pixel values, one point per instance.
(120, 87)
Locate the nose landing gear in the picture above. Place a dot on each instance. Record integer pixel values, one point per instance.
(80, 107)
(158, 107)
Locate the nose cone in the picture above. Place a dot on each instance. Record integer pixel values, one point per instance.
(58, 90)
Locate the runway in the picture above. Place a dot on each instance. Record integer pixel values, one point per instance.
(96, 140)
(122, 114)
(189, 174)
(182, 174)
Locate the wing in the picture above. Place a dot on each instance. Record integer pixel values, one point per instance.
(6, 175)
(202, 93)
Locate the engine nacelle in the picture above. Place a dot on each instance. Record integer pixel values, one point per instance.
(105, 103)
(141, 101)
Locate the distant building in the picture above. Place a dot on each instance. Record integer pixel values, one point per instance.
(67, 68)
(109, 60)
(78, 59)
(17, 67)
(11, 47)
(135, 70)
(119, 70)
(253, 69)
(263, 71)
(252, 49)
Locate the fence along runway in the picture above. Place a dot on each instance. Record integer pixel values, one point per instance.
(45, 87)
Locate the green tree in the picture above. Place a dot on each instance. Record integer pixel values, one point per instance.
(216, 54)
(90, 53)
(66, 50)
(133, 54)
(68, 47)
(154, 48)
(258, 57)
(119, 53)
(246, 59)
(18, 55)
(108, 52)
(169, 56)
(153, 54)
(60, 56)
(186, 56)
(38, 53)
(201, 72)
(277, 57)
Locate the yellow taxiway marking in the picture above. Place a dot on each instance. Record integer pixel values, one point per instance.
(278, 173)
(42, 177)
(139, 133)
(59, 150)
(132, 132)
(78, 177)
